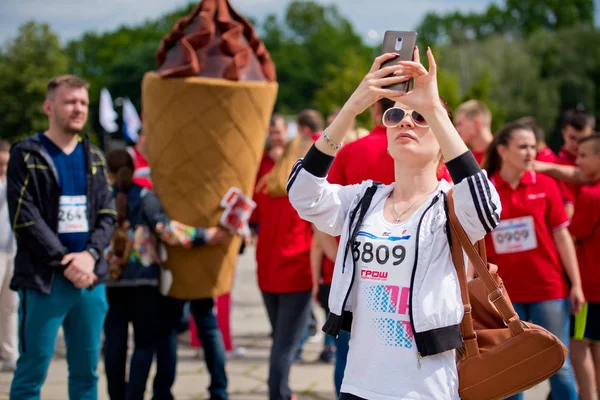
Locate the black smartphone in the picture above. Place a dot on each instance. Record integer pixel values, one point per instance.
(403, 43)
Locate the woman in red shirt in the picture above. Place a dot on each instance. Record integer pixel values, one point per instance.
(283, 266)
(532, 246)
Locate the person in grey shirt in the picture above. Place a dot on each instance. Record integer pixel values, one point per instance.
(9, 300)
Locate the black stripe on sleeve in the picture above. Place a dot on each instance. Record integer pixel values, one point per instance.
(294, 174)
(478, 206)
(486, 183)
(485, 200)
(463, 166)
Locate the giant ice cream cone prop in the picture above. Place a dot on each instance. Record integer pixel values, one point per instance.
(206, 113)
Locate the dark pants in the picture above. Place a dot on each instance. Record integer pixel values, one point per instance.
(171, 311)
(288, 313)
(138, 305)
(342, 346)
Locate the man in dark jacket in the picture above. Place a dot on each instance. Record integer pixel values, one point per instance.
(62, 213)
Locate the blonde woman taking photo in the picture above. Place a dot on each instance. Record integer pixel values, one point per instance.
(394, 282)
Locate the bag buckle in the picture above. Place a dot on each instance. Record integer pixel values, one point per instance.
(499, 294)
(468, 309)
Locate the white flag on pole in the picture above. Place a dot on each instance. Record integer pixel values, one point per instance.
(131, 121)
(108, 115)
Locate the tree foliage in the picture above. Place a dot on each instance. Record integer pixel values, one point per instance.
(26, 64)
(517, 18)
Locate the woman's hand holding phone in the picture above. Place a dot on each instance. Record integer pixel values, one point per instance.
(425, 95)
(371, 88)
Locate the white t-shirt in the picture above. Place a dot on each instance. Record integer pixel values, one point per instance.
(382, 360)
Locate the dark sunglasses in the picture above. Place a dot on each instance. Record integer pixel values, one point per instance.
(393, 116)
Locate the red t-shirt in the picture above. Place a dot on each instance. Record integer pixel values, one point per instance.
(585, 227)
(523, 245)
(363, 159)
(566, 158)
(282, 247)
(266, 165)
(327, 270)
(547, 155)
(479, 156)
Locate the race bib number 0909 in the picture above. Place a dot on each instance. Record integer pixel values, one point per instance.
(72, 214)
(515, 235)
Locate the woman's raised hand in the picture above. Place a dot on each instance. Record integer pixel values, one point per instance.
(425, 96)
(371, 88)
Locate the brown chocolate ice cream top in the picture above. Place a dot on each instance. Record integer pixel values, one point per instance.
(215, 41)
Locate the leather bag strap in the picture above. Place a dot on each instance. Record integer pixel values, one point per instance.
(478, 258)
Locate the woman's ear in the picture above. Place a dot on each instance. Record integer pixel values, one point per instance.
(501, 149)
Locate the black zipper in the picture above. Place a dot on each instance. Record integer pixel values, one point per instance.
(412, 276)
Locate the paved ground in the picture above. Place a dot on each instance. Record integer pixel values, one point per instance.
(247, 374)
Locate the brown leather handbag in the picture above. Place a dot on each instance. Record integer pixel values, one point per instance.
(501, 355)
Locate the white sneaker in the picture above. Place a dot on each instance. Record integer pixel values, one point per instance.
(237, 352)
(316, 338)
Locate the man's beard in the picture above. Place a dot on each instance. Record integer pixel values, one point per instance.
(67, 128)
(71, 131)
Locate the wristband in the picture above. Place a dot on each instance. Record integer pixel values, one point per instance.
(94, 253)
(330, 142)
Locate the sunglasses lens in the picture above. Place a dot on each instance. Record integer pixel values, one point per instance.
(393, 116)
(418, 118)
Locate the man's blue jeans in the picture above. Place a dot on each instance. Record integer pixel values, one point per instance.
(554, 315)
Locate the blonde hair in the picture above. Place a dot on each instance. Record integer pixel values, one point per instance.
(475, 109)
(275, 182)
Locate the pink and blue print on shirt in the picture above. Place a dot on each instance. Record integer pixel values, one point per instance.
(391, 300)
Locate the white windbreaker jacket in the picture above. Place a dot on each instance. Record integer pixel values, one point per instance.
(435, 306)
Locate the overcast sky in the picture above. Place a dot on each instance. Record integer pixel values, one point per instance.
(70, 18)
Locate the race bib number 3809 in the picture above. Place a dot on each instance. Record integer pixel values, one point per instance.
(515, 235)
(72, 214)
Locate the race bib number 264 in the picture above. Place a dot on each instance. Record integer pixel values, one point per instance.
(72, 214)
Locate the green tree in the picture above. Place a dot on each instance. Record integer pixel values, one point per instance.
(570, 59)
(533, 15)
(347, 75)
(311, 48)
(519, 18)
(506, 76)
(117, 59)
(26, 64)
(124, 76)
